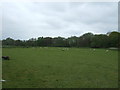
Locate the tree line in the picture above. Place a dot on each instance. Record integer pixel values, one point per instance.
(111, 39)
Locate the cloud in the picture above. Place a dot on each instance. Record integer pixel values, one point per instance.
(27, 20)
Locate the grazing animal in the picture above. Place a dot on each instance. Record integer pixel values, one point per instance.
(2, 80)
(63, 49)
(106, 50)
(5, 58)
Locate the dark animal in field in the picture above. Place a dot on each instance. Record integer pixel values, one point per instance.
(5, 58)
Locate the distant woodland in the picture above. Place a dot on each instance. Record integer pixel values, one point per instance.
(111, 39)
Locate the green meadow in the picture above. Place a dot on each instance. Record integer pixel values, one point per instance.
(56, 67)
(0, 67)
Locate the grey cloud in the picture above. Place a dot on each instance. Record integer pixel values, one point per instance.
(26, 20)
(91, 14)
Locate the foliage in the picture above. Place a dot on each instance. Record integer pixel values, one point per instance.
(110, 39)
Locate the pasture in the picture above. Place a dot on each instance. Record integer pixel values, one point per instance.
(0, 68)
(60, 68)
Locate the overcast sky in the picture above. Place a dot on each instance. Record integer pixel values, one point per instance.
(65, 19)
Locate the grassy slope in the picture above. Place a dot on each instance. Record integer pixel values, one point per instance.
(54, 68)
(0, 67)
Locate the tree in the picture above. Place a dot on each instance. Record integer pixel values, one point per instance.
(8, 41)
(31, 42)
(85, 40)
(99, 41)
(114, 39)
(18, 43)
(73, 41)
(59, 42)
(111, 39)
(40, 41)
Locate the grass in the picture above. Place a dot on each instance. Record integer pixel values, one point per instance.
(0, 68)
(54, 68)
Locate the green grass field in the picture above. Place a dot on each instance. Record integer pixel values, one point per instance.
(54, 68)
(0, 67)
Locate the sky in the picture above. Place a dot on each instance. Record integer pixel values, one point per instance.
(52, 19)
